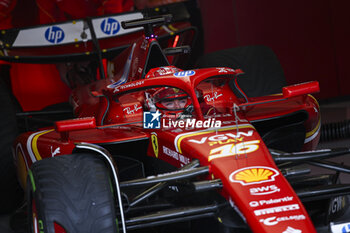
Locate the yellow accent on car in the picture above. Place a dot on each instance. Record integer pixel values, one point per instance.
(154, 140)
(312, 132)
(172, 27)
(34, 143)
(209, 131)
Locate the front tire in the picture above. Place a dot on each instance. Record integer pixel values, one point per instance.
(73, 193)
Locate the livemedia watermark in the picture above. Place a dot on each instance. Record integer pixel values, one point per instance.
(154, 120)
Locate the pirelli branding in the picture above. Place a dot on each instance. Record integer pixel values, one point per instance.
(277, 209)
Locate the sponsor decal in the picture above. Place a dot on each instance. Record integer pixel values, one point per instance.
(110, 26)
(175, 155)
(234, 149)
(253, 175)
(345, 228)
(292, 230)
(55, 152)
(151, 120)
(180, 137)
(164, 70)
(132, 110)
(337, 207)
(277, 209)
(155, 146)
(340, 228)
(264, 190)
(271, 221)
(185, 73)
(337, 204)
(54, 34)
(223, 138)
(212, 98)
(224, 70)
(126, 86)
(74, 31)
(270, 201)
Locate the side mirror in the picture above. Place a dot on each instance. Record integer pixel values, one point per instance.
(65, 126)
(301, 89)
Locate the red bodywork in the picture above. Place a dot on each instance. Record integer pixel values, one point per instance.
(235, 152)
(44, 87)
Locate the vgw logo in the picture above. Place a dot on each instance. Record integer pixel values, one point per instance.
(54, 34)
(110, 26)
(151, 120)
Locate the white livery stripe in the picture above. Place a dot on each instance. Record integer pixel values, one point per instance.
(312, 137)
(29, 145)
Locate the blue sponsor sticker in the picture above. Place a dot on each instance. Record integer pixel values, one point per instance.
(151, 120)
(185, 73)
(54, 34)
(110, 26)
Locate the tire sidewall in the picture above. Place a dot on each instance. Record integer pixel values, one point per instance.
(49, 212)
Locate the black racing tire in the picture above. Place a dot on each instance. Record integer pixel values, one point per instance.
(73, 191)
(11, 194)
(263, 73)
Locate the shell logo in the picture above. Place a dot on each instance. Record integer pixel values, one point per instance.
(253, 175)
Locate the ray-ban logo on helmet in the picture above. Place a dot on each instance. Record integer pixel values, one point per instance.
(110, 26)
(151, 120)
(54, 34)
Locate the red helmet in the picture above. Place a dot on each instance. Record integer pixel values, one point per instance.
(169, 100)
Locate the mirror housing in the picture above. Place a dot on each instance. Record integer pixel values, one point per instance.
(301, 89)
(65, 126)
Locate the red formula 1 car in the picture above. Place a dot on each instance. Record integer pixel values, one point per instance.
(154, 148)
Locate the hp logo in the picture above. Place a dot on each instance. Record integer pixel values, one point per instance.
(54, 34)
(110, 26)
(346, 229)
(185, 73)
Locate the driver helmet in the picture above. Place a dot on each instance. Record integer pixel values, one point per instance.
(169, 101)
